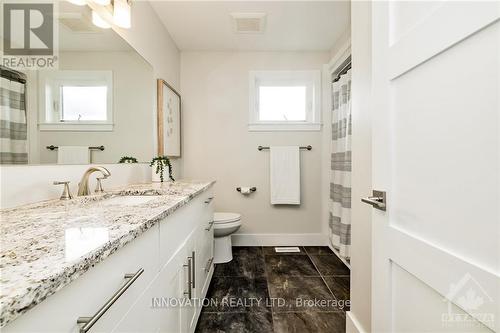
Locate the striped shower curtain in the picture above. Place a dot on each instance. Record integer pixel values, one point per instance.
(13, 123)
(340, 174)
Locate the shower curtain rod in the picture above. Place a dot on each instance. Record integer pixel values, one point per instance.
(344, 70)
(12, 75)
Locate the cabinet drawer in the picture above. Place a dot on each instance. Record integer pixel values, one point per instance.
(89, 292)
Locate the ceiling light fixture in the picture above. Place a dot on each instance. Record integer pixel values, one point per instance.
(78, 2)
(99, 21)
(102, 2)
(121, 13)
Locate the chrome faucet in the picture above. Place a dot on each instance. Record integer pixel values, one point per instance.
(83, 186)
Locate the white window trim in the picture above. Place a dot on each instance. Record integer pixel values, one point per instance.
(313, 79)
(52, 79)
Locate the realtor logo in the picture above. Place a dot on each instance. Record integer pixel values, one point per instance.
(28, 29)
(29, 35)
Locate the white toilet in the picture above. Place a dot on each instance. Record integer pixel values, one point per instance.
(225, 224)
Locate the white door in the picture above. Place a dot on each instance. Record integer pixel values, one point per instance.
(436, 152)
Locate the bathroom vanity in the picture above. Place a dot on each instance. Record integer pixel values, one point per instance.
(130, 260)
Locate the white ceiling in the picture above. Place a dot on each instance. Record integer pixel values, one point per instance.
(290, 26)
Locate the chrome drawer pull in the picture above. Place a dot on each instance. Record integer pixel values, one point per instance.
(209, 200)
(189, 292)
(193, 254)
(210, 225)
(90, 321)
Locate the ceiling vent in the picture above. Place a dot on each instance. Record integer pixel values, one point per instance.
(249, 23)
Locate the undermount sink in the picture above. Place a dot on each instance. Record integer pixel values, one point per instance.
(129, 200)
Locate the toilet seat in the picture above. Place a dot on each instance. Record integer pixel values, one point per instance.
(223, 218)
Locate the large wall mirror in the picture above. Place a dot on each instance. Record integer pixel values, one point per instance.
(97, 107)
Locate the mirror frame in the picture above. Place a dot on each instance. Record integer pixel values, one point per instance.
(161, 85)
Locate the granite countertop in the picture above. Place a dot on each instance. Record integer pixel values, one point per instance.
(39, 256)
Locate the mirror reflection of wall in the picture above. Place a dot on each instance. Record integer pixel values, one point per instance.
(102, 94)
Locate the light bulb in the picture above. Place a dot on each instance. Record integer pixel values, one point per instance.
(102, 2)
(78, 2)
(99, 21)
(121, 13)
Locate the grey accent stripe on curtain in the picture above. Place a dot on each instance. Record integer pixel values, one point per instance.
(344, 230)
(340, 173)
(13, 122)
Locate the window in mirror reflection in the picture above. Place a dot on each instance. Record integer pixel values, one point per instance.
(83, 103)
(76, 100)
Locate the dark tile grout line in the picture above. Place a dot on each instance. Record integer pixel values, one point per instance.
(322, 278)
(334, 276)
(267, 284)
(315, 267)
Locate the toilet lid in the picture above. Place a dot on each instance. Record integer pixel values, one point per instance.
(226, 217)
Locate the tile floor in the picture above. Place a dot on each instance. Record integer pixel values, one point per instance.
(263, 291)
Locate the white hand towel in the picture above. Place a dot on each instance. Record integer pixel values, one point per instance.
(73, 155)
(285, 175)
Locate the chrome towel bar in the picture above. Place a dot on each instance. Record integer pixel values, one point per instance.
(52, 147)
(309, 147)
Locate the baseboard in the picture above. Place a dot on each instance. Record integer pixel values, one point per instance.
(338, 255)
(279, 239)
(352, 325)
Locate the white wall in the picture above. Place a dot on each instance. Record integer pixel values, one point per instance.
(151, 40)
(342, 40)
(361, 226)
(133, 90)
(217, 143)
(20, 185)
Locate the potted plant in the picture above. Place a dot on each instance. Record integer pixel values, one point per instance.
(158, 165)
(128, 159)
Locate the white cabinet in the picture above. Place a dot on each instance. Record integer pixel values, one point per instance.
(172, 289)
(178, 287)
(193, 255)
(89, 292)
(188, 311)
(171, 254)
(205, 255)
(141, 317)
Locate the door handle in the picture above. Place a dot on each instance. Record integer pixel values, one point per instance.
(378, 200)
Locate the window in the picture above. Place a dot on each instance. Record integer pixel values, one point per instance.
(76, 101)
(284, 100)
(83, 103)
(282, 103)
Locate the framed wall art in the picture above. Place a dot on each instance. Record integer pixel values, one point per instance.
(168, 120)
